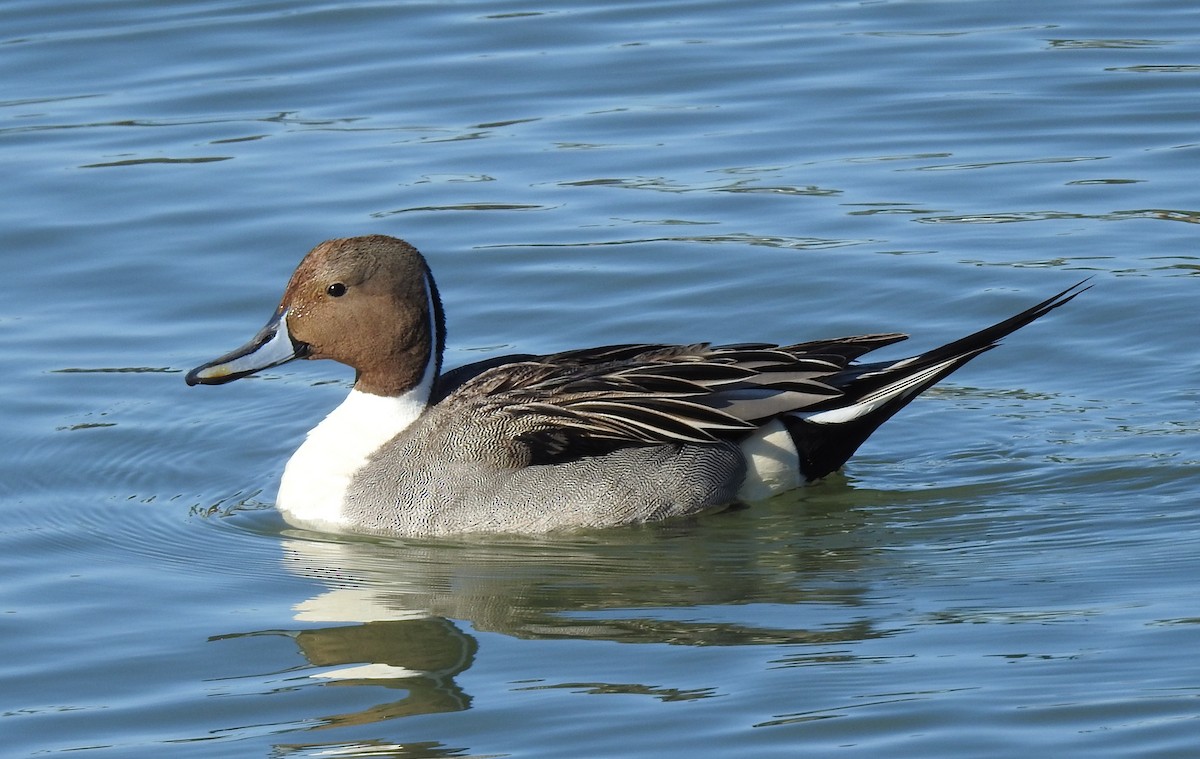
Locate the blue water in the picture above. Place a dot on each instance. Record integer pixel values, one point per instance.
(1008, 568)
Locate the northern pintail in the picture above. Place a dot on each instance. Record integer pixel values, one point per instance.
(597, 437)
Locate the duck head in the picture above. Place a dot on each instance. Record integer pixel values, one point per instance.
(367, 302)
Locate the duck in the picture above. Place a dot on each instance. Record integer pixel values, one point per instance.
(599, 437)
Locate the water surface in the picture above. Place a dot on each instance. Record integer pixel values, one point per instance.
(1008, 567)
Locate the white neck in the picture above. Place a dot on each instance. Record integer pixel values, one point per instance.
(312, 492)
(313, 489)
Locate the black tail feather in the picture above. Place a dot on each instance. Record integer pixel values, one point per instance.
(988, 337)
(824, 446)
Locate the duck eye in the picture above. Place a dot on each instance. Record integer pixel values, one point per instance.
(337, 289)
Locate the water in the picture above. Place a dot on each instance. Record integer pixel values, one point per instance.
(1008, 567)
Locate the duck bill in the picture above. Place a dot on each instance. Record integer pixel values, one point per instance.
(272, 346)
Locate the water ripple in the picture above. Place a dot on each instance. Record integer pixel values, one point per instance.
(1008, 217)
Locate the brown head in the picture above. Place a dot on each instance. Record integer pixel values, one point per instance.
(367, 302)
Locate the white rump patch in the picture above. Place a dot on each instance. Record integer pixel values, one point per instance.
(772, 464)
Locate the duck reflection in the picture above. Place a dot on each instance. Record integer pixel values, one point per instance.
(397, 613)
(422, 656)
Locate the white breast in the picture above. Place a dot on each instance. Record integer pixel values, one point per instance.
(313, 489)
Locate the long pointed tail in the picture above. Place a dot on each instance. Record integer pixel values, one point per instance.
(826, 437)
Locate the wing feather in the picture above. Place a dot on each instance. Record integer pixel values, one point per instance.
(583, 401)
